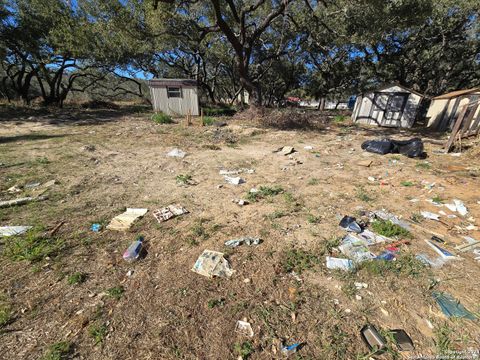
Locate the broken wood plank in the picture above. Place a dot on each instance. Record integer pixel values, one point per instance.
(455, 129)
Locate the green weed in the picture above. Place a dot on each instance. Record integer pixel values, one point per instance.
(390, 230)
(417, 217)
(161, 118)
(406, 265)
(438, 200)
(58, 351)
(76, 278)
(183, 179)
(207, 120)
(277, 214)
(116, 292)
(97, 332)
(215, 303)
(339, 118)
(244, 349)
(6, 313)
(312, 219)
(263, 192)
(423, 165)
(363, 195)
(298, 260)
(407, 183)
(33, 246)
(313, 181)
(443, 341)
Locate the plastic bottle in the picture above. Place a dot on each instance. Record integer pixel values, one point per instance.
(133, 251)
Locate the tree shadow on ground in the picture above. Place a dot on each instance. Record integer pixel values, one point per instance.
(28, 137)
(67, 116)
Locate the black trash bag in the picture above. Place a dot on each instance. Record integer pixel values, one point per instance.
(410, 148)
(384, 146)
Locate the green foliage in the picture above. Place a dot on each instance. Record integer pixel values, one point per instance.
(161, 118)
(390, 230)
(363, 195)
(183, 179)
(33, 246)
(6, 313)
(263, 192)
(76, 278)
(438, 200)
(244, 349)
(443, 339)
(277, 214)
(339, 118)
(407, 183)
(423, 165)
(216, 303)
(313, 181)
(97, 332)
(298, 260)
(312, 219)
(223, 111)
(58, 351)
(207, 120)
(406, 265)
(116, 292)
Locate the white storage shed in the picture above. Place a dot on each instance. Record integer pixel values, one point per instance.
(175, 97)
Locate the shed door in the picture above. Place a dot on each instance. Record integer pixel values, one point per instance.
(378, 107)
(394, 109)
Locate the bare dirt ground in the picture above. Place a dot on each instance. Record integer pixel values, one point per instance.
(105, 161)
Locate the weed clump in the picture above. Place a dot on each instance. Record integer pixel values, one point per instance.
(390, 230)
(33, 246)
(58, 351)
(263, 192)
(162, 118)
(299, 260)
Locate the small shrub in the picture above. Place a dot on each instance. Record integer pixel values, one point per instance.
(438, 200)
(116, 292)
(264, 191)
(443, 341)
(339, 118)
(207, 120)
(390, 230)
(406, 265)
(97, 332)
(417, 217)
(244, 349)
(183, 179)
(161, 118)
(215, 302)
(58, 351)
(277, 214)
(76, 278)
(298, 260)
(312, 219)
(313, 181)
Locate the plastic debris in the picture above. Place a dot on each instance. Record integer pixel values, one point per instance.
(133, 251)
(244, 328)
(169, 212)
(360, 285)
(14, 189)
(444, 254)
(373, 339)
(308, 147)
(234, 180)
(451, 307)
(461, 208)
(437, 263)
(403, 341)
(32, 185)
(212, 263)
(470, 245)
(126, 219)
(290, 349)
(96, 227)
(240, 202)
(355, 249)
(386, 255)
(177, 153)
(429, 215)
(13, 230)
(21, 201)
(334, 263)
(410, 148)
(384, 215)
(247, 240)
(350, 224)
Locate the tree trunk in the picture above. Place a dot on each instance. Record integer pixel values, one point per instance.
(321, 104)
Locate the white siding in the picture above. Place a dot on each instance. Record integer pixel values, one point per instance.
(177, 106)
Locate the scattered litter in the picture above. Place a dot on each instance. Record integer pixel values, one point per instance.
(129, 273)
(237, 171)
(444, 254)
(458, 206)
(13, 230)
(32, 185)
(337, 263)
(285, 150)
(49, 183)
(355, 249)
(386, 255)
(404, 342)
(451, 307)
(350, 224)
(384, 312)
(437, 263)
(290, 349)
(177, 153)
(308, 147)
(14, 189)
(169, 212)
(240, 202)
(365, 163)
(21, 201)
(244, 328)
(470, 245)
(360, 285)
(96, 227)
(384, 215)
(370, 238)
(358, 297)
(429, 215)
(371, 178)
(212, 263)
(234, 180)
(296, 276)
(410, 148)
(373, 339)
(126, 219)
(133, 251)
(247, 240)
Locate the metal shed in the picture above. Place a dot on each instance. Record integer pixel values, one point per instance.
(175, 97)
(390, 105)
(446, 108)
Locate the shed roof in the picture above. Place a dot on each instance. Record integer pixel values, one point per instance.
(457, 93)
(172, 82)
(386, 86)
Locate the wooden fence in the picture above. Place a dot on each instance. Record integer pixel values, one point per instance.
(466, 125)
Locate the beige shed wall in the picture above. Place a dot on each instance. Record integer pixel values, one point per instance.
(175, 106)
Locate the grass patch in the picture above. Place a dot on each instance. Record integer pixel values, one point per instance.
(313, 181)
(212, 303)
(363, 195)
(244, 349)
(6, 313)
(277, 214)
(406, 265)
(390, 230)
(116, 292)
(33, 246)
(339, 118)
(161, 118)
(97, 332)
(416, 217)
(183, 179)
(438, 200)
(207, 120)
(298, 260)
(42, 160)
(312, 219)
(58, 351)
(329, 244)
(407, 183)
(76, 278)
(443, 341)
(423, 165)
(263, 192)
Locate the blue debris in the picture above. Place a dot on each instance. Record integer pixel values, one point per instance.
(96, 227)
(451, 307)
